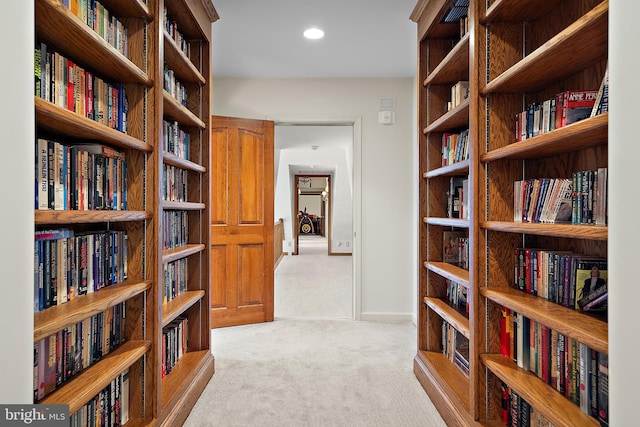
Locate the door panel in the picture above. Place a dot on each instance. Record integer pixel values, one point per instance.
(242, 223)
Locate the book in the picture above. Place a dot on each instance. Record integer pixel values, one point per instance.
(590, 276)
(603, 389)
(451, 246)
(601, 103)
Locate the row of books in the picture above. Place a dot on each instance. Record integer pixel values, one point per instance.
(174, 279)
(561, 277)
(572, 368)
(455, 248)
(517, 412)
(79, 177)
(110, 407)
(581, 199)
(175, 229)
(455, 147)
(589, 197)
(457, 295)
(455, 347)
(68, 265)
(99, 19)
(564, 109)
(459, 93)
(61, 81)
(175, 140)
(174, 87)
(174, 343)
(171, 28)
(174, 184)
(458, 198)
(63, 355)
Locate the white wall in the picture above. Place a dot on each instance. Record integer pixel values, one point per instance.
(624, 233)
(16, 224)
(388, 282)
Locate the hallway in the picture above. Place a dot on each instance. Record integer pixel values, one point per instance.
(313, 285)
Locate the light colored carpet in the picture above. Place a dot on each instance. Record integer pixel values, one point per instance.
(313, 366)
(300, 372)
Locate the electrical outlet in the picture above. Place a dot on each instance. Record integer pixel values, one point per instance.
(339, 244)
(347, 243)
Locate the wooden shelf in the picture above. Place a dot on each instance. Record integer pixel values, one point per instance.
(516, 10)
(590, 232)
(455, 169)
(577, 136)
(584, 328)
(129, 8)
(450, 314)
(178, 112)
(169, 255)
(80, 390)
(449, 271)
(43, 217)
(172, 159)
(182, 374)
(454, 67)
(181, 65)
(55, 23)
(457, 118)
(54, 118)
(183, 206)
(553, 405)
(447, 377)
(179, 305)
(447, 222)
(550, 63)
(53, 319)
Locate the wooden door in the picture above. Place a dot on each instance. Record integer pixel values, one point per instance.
(242, 224)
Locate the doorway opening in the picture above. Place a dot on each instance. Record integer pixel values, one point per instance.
(312, 202)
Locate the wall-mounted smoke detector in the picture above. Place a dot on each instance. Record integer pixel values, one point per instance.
(315, 147)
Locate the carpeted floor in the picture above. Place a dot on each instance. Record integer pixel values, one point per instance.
(309, 368)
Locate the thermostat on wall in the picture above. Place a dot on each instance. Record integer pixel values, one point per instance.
(386, 117)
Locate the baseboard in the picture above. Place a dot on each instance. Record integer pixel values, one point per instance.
(387, 317)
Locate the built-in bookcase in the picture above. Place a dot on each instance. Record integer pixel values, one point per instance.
(514, 55)
(107, 328)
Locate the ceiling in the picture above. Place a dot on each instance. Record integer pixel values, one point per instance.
(363, 38)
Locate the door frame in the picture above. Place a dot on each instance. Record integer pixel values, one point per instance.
(327, 223)
(356, 173)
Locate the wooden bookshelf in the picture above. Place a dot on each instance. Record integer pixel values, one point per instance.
(444, 59)
(514, 54)
(536, 71)
(179, 389)
(153, 400)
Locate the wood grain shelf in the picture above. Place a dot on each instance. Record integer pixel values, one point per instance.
(42, 217)
(129, 8)
(54, 118)
(182, 375)
(449, 271)
(584, 328)
(550, 63)
(179, 305)
(184, 69)
(455, 169)
(178, 112)
(516, 10)
(586, 133)
(449, 314)
(447, 222)
(173, 160)
(457, 118)
(53, 319)
(454, 67)
(169, 255)
(544, 398)
(183, 206)
(447, 376)
(80, 390)
(591, 232)
(54, 22)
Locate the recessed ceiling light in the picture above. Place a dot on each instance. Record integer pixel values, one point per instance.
(314, 33)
